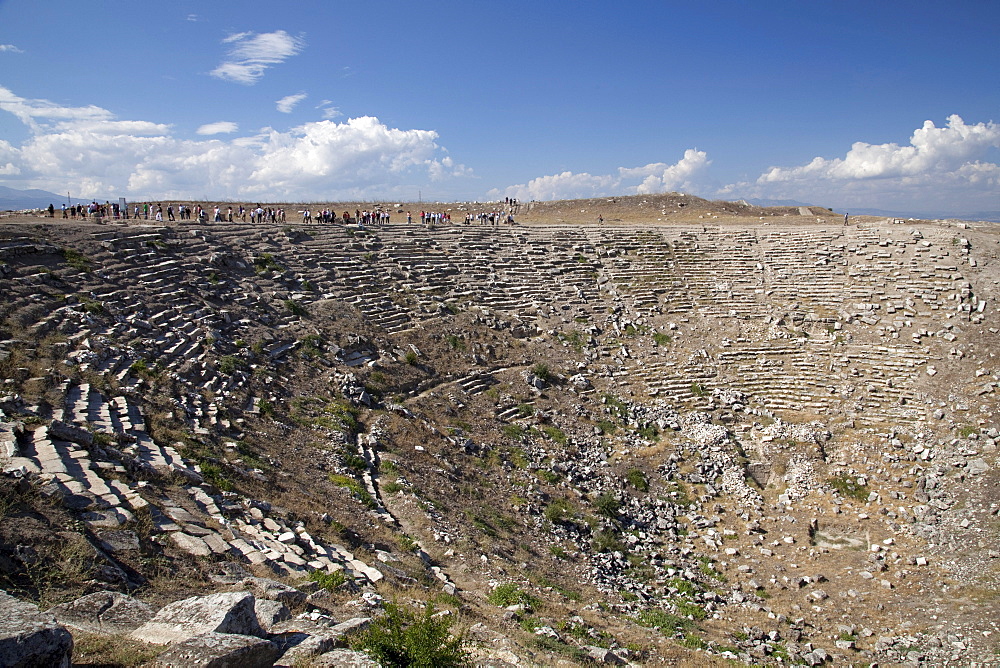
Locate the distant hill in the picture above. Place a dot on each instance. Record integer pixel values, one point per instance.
(12, 199)
(990, 216)
(776, 202)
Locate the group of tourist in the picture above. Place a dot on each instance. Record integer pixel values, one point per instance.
(490, 218)
(259, 214)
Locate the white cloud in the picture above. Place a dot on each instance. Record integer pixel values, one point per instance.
(251, 54)
(10, 47)
(688, 174)
(931, 149)
(329, 112)
(685, 175)
(35, 113)
(218, 128)
(941, 168)
(287, 103)
(94, 154)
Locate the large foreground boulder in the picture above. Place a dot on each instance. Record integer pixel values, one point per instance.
(29, 637)
(105, 612)
(220, 650)
(230, 612)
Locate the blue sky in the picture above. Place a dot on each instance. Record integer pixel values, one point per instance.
(846, 104)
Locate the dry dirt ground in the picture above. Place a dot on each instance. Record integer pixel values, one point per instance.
(698, 433)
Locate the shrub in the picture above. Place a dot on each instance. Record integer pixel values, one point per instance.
(542, 372)
(76, 259)
(328, 581)
(403, 638)
(607, 505)
(660, 619)
(661, 339)
(607, 427)
(691, 609)
(509, 593)
(353, 460)
(514, 431)
(560, 510)
(548, 476)
(266, 408)
(213, 475)
(555, 433)
(638, 480)
(311, 344)
(648, 432)
(606, 541)
(354, 487)
(265, 262)
(228, 364)
(295, 308)
(848, 486)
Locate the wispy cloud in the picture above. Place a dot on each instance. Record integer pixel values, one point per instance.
(251, 54)
(10, 47)
(329, 111)
(218, 128)
(287, 103)
(38, 113)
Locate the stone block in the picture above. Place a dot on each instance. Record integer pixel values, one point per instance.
(29, 637)
(275, 591)
(220, 650)
(104, 612)
(231, 612)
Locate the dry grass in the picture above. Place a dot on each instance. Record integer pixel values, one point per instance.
(112, 651)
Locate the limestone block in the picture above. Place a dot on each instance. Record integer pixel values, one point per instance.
(303, 638)
(29, 637)
(270, 613)
(275, 591)
(68, 432)
(105, 612)
(191, 544)
(231, 612)
(220, 650)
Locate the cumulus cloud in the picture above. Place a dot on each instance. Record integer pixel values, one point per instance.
(10, 47)
(684, 175)
(287, 103)
(94, 154)
(218, 128)
(931, 149)
(688, 175)
(940, 167)
(251, 54)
